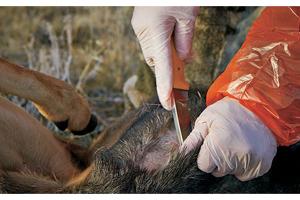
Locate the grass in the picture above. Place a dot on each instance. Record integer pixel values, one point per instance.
(92, 48)
(95, 49)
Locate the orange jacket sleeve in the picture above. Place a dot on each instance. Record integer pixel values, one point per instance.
(264, 75)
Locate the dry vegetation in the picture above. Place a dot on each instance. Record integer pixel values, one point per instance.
(95, 50)
(92, 48)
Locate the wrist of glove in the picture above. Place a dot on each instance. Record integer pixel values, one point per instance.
(234, 141)
(154, 27)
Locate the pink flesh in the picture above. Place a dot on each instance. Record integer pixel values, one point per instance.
(158, 156)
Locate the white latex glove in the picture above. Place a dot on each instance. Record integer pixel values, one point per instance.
(153, 27)
(234, 141)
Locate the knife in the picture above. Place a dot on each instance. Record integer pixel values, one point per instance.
(181, 114)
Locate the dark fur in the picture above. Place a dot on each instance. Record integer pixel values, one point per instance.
(120, 168)
(117, 170)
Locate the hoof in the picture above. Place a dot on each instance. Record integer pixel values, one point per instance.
(89, 128)
(63, 125)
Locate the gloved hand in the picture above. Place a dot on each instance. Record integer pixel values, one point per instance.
(234, 141)
(153, 27)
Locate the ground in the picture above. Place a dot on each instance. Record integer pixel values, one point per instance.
(95, 50)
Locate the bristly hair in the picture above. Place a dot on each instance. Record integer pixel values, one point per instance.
(118, 170)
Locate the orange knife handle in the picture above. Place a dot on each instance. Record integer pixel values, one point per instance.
(179, 81)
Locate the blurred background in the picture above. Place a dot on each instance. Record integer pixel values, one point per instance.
(95, 50)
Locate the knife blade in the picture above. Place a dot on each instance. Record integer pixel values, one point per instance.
(181, 115)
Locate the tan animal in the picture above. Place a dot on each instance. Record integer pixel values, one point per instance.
(26, 145)
(139, 155)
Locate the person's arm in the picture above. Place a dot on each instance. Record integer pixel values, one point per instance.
(154, 28)
(234, 141)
